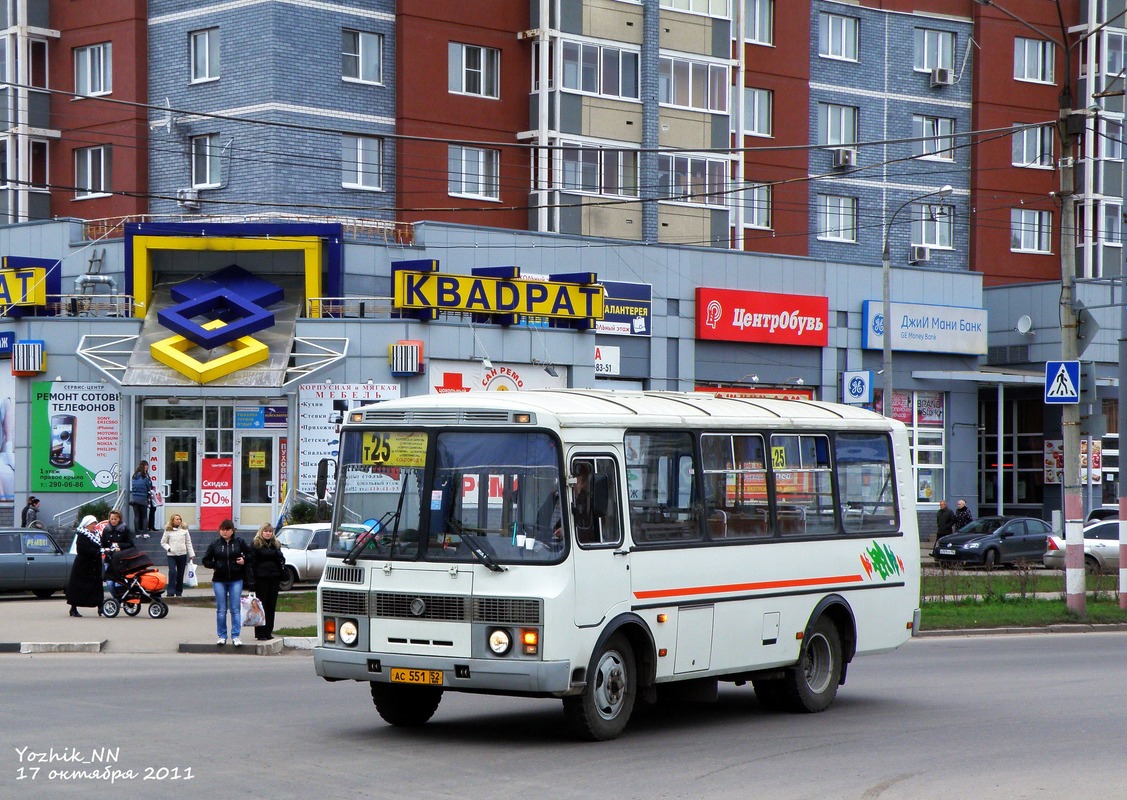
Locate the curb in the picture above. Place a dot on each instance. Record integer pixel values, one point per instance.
(62, 647)
(297, 645)
(1071, 627)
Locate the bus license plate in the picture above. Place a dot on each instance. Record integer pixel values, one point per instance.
(429, 677)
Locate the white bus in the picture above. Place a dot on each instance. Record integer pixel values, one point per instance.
(595, 546)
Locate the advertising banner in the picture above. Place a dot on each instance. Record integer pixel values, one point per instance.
(462, 376)
(732, 315)
(925, 329)
(75, 437)
(216, 492)
(321, 408)
(626, 309)
(1054, 461)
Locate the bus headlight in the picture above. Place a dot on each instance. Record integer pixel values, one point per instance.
(348, 632)
(500, 641)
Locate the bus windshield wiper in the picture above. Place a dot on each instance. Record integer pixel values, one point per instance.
(367, 536)
(479, 547)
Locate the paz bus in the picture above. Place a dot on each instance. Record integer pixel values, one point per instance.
(599, 546)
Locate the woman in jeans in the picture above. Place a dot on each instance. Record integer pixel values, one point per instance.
(177, 542)
(230, 559)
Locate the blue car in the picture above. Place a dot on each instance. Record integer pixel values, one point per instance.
(993, 541)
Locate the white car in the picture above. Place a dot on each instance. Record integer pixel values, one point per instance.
(1101, 548)
(305, 547)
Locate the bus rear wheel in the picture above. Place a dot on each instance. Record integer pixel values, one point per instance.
(604, 708)
(405, 706)
(811, 685)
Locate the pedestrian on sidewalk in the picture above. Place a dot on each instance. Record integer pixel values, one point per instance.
(177, 542)
(140, 490)
(84, 586)
(962, 516)
(115, 534)
(269, 567)
(30, 514)
(944, 521)
(229, 558)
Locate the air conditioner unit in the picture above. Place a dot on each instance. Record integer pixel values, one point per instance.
(844, 157)
(919, 254)
(942, 76)
(188, 198)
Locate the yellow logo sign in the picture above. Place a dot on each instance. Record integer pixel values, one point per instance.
(482, 295)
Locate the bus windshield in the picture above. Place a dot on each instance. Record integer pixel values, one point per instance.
(490, 496)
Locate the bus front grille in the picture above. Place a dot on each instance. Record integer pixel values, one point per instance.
(506, 610)
(338, 601)
(344, 574)
(450, 608)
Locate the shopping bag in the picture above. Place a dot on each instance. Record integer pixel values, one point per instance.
(157, 498)
(190, 579)
(252, 611)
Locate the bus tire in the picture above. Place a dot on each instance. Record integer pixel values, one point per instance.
(405, 706)
(604, 708)
(811, 685)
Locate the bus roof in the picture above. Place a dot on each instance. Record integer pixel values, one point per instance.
(615, 407)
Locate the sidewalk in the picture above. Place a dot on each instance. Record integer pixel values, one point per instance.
(29, 625)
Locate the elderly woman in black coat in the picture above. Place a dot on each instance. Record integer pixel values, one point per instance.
(84, 587)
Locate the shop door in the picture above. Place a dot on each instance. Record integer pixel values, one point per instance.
(178, 479)
(256, 486)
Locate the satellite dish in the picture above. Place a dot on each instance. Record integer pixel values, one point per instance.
(1024, 324)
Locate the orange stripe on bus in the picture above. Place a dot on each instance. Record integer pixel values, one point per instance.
(747, 587)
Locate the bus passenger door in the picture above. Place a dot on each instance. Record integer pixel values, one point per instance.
(599, 556)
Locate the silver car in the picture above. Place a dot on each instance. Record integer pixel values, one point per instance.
(1101, 548)
(31, 561)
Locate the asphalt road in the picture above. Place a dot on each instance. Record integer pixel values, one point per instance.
(1009, 716)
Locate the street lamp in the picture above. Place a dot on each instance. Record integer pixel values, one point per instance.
(886, 277)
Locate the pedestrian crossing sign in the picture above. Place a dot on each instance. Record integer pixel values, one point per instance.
(1062, 382)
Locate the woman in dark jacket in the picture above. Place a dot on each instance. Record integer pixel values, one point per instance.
(115, 532)
(84, 587)
(140, 490)
(231, 561)
(269, 567)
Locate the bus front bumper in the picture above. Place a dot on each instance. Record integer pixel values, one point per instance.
(471, 674)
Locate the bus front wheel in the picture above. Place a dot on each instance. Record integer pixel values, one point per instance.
(604, 708)
(405, 706)
(811, 685)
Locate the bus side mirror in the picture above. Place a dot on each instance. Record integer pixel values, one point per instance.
(600, 495)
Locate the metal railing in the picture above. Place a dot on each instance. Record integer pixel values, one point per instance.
(353, 228)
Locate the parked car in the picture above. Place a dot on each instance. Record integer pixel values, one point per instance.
(32, 561)
(990, 541)
(1101, 513)
(1101, 548)
(304, 547)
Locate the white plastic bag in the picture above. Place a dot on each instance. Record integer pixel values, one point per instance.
(190, 579)
(252, 611)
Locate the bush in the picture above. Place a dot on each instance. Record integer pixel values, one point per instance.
(99, 508)
(302, 512)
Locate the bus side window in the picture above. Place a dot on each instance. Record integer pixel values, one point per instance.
(595, 507)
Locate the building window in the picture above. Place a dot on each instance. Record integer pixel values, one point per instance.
(1033, 146)
(1033, 61)
(837, 218)
(205, 54)
(838, 36)
(759, 21)
(923, 413)
(93, 71)
(933, 137)
(933, 225)
(205, 160)
(693, 84)
(757, 112)
(606, 71)
(1111, 139)
(37, 63)
(474, 172)
(934, 49)
(757, 206)
(1111, 225)
(1030, 230)
(690, 179)
(474, 70)
(599, 170)
(712, 8)
(1114, 62)
(619, 172)
(361, 162)
(91, 171)
(361, 56)
(837, 125)
(40, 164)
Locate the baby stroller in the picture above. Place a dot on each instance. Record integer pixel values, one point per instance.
(135, 580)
